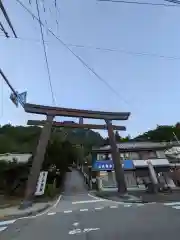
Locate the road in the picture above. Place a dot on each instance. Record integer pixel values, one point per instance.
(81, 216)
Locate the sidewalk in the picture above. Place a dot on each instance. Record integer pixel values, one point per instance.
(14, 211)
(140, 196)
(159, 197)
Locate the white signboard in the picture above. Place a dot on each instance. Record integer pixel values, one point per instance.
(41, 184)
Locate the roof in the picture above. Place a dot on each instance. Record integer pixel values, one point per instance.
(139, 145)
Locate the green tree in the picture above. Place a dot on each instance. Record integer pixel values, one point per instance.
(117, 136)
(161, 133)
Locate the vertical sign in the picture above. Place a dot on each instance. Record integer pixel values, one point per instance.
(41, 184)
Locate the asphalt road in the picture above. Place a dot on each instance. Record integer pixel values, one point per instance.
(81, 216)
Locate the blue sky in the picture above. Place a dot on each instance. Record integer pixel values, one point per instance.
(148, 86)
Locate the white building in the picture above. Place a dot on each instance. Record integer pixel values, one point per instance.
(19, 157)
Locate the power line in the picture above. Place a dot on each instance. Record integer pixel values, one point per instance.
(3, 30)
(7, 17)
(116, 50)
(128, 52)
(79, 58)
(140, 3)
(45, 54)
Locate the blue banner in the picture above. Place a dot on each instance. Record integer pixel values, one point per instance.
(108, 165)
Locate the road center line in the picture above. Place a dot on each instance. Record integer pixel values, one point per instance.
(68, 211)
(51, 213)
(84, 210)
(98, 208)
(75, 224)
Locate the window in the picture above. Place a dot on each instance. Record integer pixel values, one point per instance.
(130, 156)
(103, 157)
(134, 156)
(147, 155)
(124, 156)
(160, 154)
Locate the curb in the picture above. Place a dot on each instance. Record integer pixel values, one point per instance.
(27, 214)
(119, 201)
(129, 201)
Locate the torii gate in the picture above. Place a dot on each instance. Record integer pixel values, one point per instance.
(50, 113)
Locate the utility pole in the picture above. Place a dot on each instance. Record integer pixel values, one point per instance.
(37, 163)
(119, 172)
(7, 18)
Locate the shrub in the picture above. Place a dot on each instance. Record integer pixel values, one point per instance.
(50, 190)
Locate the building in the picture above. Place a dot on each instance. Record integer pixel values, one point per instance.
(138, 172)
(173, 155)
(18, 157)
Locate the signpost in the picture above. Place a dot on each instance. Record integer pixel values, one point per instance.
(41, 184)
(18, 98)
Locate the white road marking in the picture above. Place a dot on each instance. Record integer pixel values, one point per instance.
(51, 213)
(84, 210)
(75, 224)
(44, 212)
(99, 208)
(176, 207)
(88, 201)
(90, 229)
(2, 228)
(3, 223)
(75, 231)
(128, 205)
(68, 211)
(113, 206)
(140, 204)
(172, 203)
(7, 222)
(108, 200)
(97, 198)
(85, 230)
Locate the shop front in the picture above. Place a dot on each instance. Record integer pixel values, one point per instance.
(138, 173)
(105, 174)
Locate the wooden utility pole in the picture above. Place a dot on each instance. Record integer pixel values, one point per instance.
(119, 172)
(37, 163)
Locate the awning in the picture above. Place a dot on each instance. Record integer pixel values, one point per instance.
(155, 162)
